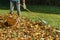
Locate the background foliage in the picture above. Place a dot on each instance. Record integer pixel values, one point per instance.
(37, 2)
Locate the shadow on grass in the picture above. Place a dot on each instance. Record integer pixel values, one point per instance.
(4, 7)
(45, 9)
(37, 8)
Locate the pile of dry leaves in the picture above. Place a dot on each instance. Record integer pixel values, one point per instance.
(25, 29)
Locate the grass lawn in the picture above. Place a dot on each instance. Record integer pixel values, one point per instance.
(51, 14)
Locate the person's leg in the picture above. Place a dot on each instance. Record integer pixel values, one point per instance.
(11, 7)
(18, 8)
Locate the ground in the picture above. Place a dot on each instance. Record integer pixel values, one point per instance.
(51, 14)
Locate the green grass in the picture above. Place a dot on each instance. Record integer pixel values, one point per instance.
(51, 14)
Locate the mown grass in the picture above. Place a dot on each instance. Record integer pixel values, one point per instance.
(51, 14)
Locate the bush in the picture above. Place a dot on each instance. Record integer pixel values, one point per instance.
(37, 2)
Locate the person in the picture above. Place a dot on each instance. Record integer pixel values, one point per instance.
(17, 2)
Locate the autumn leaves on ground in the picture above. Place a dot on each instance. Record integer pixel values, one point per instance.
(14, 28)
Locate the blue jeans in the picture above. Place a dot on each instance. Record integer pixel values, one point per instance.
(12, 6)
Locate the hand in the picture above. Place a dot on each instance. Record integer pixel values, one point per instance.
(24, 6)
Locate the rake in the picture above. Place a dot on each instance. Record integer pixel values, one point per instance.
(32, 13)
